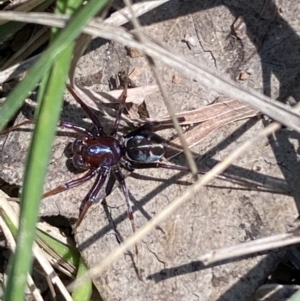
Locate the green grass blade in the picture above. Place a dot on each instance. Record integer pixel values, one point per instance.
(295, 297)
(84, 292)
(35, 171)
(68, 253)
(47, 116)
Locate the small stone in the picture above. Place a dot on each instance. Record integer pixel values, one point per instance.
(240, 28)
(191, 41)
(244, 75)
(133, 52)
(176, 79)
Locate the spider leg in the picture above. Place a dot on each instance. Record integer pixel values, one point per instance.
(148, 126)
(121, 179)
(70, 184)
(76, 128)
(93, 194)
(144, 127)
(122, 98)
(228, 178)
(64, 124)
(16, 126)
(88, 111)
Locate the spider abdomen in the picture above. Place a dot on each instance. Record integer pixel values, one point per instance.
(145, 147)
(96, 152)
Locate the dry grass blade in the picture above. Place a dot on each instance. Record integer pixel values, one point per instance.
(37, 40)
(247, 248)
(276, 110)
(122, 16)
(214, 111)
(16, 70)
(38, 253)
(12, 245)
(140, 36)
(207, 126)
(81, 43)
(87, 97)
(213, 117)
(12, 4)
(94, 99)
(22, 6)
(134, 95)
(52, 256)
(219, 113)
(118, 18)
(175, 204)
(191, 162)
(57, 261)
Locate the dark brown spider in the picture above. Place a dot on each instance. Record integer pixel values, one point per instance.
(100, 154)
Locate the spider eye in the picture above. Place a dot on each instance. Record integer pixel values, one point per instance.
(79, 162)
(78, 144)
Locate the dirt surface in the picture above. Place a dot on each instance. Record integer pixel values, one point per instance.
(218, 216)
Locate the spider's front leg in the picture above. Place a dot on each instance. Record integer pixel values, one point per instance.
(63, 124)
(88, 111)
(71, 184)
(93, 194)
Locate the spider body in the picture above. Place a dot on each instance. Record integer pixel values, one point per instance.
(93, 152)
(101, 154)
(96, 152)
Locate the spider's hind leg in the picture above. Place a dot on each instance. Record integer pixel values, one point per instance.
(120, 178)
(228, 178)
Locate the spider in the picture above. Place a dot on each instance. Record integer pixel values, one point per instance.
(100, 154)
